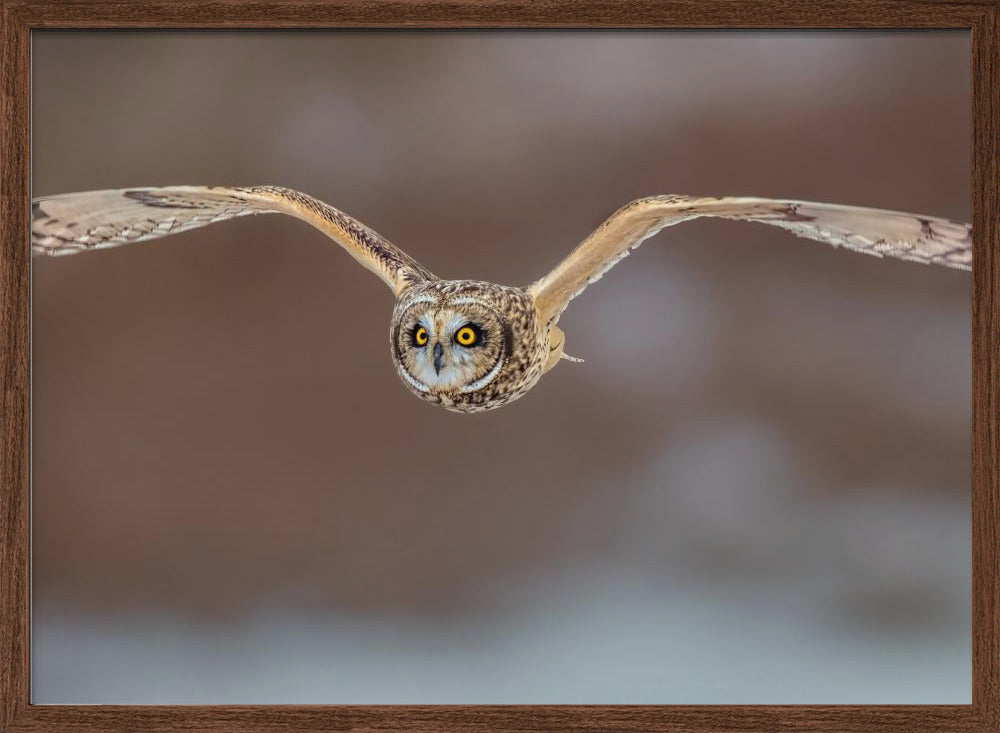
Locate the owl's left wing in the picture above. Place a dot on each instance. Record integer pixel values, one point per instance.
(872, 231)
(78, 222)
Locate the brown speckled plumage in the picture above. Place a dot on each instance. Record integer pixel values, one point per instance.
(525, 345)
(512, 334)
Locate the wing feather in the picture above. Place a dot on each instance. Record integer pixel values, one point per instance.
(872, 231)
(78, 222)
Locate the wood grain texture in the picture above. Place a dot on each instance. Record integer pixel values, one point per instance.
(986, 369)
(15, 284)
(503, 13)
(499, 718)
(18, 17)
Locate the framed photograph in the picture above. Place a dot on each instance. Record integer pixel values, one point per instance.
(332, 402)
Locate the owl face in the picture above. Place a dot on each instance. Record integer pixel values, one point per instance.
(465, 345)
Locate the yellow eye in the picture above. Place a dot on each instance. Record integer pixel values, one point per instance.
(420, 336)
(467, 336)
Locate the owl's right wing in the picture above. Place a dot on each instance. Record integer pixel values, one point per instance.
(877, 232)
(78, 222)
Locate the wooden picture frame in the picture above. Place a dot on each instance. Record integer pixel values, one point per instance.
(19, 17)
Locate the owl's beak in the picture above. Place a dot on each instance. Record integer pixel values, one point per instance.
(438, 351)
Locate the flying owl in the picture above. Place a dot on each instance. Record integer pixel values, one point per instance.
(468, 345)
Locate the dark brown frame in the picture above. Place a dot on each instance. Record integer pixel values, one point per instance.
(19, 17)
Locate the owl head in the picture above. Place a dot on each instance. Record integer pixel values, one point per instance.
(466, 345)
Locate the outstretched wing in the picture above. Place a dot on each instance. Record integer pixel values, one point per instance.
(872, 231)
(77, 222)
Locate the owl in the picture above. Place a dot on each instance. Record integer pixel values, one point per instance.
(468, 345)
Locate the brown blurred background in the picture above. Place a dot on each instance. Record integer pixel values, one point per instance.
(755, 490)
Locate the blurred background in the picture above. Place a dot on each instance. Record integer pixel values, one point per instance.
(755, 490)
